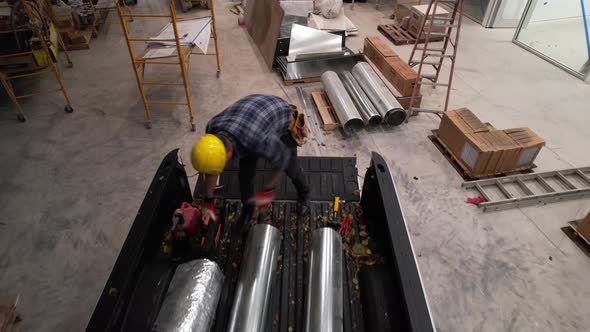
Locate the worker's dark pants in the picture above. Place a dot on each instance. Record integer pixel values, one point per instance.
(293, 171)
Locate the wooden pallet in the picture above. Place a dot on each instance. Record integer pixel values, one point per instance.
(574, 226)
(460, 167)
(400, 36)
(571, 231)
(322, 103)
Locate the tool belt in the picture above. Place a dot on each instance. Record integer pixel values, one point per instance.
(298, 127)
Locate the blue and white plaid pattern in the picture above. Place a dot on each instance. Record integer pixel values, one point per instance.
(256, 124)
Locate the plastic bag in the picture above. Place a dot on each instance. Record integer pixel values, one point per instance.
(329, 8)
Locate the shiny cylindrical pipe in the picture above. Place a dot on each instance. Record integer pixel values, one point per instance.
(323, 302)
(258, 272)
(370, 115)
(192, 297)
(391, 110)
(344, 107)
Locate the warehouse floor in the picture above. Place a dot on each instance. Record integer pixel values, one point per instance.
(72, 183)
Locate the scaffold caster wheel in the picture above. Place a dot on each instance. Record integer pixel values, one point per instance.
(21, 117)
(70, 64)
(68, 109)
(193, 127)
(148, 125)
(218, 73)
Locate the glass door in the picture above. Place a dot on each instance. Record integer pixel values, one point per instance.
(557, 31)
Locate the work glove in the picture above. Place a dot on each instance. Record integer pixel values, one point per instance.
(207, 209)
(263, 198)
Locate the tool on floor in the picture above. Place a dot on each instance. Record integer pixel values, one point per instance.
(549, 187)
(336, 205)
(435, 56)
(345, 225)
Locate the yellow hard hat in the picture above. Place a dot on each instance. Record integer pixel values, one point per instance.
(208, 155)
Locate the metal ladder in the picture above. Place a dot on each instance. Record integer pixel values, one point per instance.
(450, 23)
(546, 193)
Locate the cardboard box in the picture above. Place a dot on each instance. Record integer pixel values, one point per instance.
(476, 152)
(489, 152)
(506, 152)
(401, 75)
(530, 144)
(377, 51)
(455, 125)
(417, 15)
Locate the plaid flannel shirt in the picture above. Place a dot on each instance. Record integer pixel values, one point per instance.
(256, 123)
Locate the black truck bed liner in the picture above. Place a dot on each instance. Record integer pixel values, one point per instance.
(138, 283)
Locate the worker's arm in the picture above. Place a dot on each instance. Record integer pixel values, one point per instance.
(278, 154)
(207, 207)
(210, 182)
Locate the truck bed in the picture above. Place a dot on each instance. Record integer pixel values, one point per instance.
(390, 291)
(287, 303)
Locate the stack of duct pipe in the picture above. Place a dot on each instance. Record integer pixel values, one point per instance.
(323, 303)
(393, 113)
(370, 115)
(258, 272)
(344, 107)
(192, 297)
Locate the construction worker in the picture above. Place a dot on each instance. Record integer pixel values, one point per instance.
(256, 126)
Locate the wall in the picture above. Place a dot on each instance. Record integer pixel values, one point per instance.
(512, 9)
(546, 10)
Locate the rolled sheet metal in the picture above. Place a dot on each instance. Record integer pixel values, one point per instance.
(251, 307)
(192, 297)
(393, 113)
(305, 40)
(370, 115)
(343, 105)
(323, 302)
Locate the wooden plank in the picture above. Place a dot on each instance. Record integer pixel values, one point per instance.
(400, 36)
(322, 103)
(300, 81)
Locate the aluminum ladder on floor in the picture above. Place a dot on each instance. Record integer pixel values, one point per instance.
(452, 27)
(574, 183)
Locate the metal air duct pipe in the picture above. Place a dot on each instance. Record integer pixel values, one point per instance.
(192, 298)
(370, 115)
(393, 113)
(343, 106)
(323, 302)
(257, 277)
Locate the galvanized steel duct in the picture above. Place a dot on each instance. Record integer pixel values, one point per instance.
(393, 113)
(343, 106)
(258, 273)
(192, 298)
(323, 302)
(370, 115)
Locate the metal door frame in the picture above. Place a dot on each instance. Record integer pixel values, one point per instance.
(524, 20)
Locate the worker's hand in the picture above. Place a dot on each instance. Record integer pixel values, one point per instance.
(207, 209)
(263, 198)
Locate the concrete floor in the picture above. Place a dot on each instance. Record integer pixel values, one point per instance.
(562, 40)
(72, 183)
